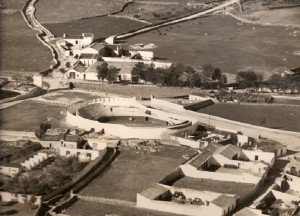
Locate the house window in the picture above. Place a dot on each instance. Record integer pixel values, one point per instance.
(89, 155)
(68, 152)
(256, 157)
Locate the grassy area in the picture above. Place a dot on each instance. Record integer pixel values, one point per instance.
(16, 209)
(276, 116)
(136, 91)
(225, 43)
(57, 11)
(290, 16)
(214, 185)
(29, 114)
(20, 51)
(99, 209)
(134, 171)
(100, 26)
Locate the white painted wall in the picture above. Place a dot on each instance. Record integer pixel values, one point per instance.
(9, 171)
(81, 153)
(267, 157)
(20, 198)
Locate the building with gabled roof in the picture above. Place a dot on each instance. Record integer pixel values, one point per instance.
(80, 40)
(88, 59)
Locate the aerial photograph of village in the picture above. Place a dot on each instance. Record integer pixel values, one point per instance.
(149, 107)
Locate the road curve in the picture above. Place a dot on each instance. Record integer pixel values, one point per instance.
(187, 18)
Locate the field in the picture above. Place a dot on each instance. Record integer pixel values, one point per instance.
(100, 26)
(272, 116)
(56, 11)
(213, 185)
(134, 171)
(29, 114)
(19, 43)
(289, 16)
(225, 43)
(85, 208)
(136, 91)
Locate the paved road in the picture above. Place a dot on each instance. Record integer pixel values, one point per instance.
(290, 139)
(146, 29)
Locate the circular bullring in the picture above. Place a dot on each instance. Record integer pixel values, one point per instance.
(126, 118)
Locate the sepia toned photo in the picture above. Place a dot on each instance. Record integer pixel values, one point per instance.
(150, 107)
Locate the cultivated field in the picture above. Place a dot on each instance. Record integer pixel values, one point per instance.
(281, 117)
(28, 116)
(225, 43)
(20, 48)
(56, 11)
(100, 26)
(136, 91)
(134, 171)
(86, 208)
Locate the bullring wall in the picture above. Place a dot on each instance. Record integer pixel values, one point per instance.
(131, 132)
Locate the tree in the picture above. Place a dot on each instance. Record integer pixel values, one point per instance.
(278, 80)
(112, 74)
(138, 72)
(208, 71)
(102, 71)
(248, 78)
(223, 79)
(68, 64)
(216, 75)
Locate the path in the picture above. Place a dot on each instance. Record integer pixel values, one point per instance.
(288, 138)
(187, 18)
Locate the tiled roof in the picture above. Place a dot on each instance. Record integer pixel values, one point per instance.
(154, 191)
(79, 67)
(97, 46)
(73, 37)
(223, 200)
(88, 34)
(207, 152)
(246, 212)
(228, 151)
(88, 56)
(15, 165)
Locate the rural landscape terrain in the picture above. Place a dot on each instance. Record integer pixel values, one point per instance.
(150, 107)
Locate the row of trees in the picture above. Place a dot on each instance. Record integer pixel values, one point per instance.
(106, 72)
(177, 75)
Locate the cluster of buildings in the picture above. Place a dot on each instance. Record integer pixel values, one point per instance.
(214, 182)
(88, 55)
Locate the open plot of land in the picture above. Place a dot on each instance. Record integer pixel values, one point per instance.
(213, 185)
(20, 48)
(290, 16)
(70, 97)
(136, 91)
(154, 12)
(225, 43)
(100, 26)
(272, 116)
(55, 11)
(85, 208)
(16, 209)
(28, 115)
(134, 171)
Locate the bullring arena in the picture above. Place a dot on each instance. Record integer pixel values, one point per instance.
(127, 118)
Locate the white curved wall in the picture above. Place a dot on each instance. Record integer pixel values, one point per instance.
(132, 132)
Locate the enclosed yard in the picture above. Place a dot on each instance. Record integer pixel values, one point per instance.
(100, 26)
(28, 115)
(225, 43)
(20, 48)
(56, 11)
(85, 208)
(135, 170)
(214, 185)
(281, 117)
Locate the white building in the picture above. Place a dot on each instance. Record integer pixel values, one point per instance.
(81, 40)
(10, 169)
